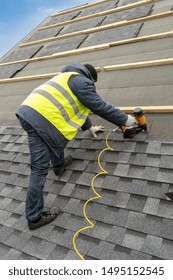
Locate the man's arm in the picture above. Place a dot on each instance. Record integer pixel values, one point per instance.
(88, 96)
(87, 124)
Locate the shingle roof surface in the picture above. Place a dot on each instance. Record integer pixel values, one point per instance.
(133, 218)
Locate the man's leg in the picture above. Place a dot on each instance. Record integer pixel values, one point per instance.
(40, 162)
(60, 163)
(55, 160)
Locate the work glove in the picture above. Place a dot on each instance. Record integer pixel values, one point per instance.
(95, 129)
(130, 121)
(130, 129)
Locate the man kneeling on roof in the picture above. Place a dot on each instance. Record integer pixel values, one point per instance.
(52, 115)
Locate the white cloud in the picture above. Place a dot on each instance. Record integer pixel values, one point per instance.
(45, 10)
(62, 5)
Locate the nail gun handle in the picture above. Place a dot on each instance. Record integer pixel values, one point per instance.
(128, 132)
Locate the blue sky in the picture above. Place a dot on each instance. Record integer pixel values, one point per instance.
(19, 17)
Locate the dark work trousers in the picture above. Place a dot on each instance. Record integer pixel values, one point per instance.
(41, 156)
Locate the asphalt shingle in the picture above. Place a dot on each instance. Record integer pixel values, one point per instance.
(38, 248)
(3, 251)
(122, 170)
(59, 253)
(165, 176)
(166, 251)
(17, 240)
(101, 230)
(153, 225)
(101, 251)
(135, 221)
(151, 206)
(85, 243)
(136, 202)
(13, 254)
(116, 235)
(5, 232)
(167, 148)
(165, 209)
(136, 255)
(152, 245)
(134, 240)
(116, 216)
(167, 229)
(4, 202)
(120, 253)
(166, 162)
(72, 205)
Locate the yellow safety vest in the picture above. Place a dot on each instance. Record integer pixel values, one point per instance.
(55, 101)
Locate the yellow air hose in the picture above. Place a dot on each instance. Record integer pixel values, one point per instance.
(98, 196)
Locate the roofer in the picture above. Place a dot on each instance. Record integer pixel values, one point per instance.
(52, 115)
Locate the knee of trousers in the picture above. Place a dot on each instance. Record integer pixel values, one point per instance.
(39, 170)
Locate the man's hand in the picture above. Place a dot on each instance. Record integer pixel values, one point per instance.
(129, 128)
(95, 129)
(130, 121)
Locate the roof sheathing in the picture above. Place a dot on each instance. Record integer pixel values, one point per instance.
(133, 219)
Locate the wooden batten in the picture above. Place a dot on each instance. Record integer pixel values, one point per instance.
(149, 109)
(142, 39)
(143, 64)
(80, 7)
(98, 29)
(92, 48)
(28, 78)
(34, 77)
(104, 13)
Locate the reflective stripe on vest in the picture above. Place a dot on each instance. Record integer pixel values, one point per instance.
(55, 101)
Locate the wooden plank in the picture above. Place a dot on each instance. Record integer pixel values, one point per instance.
(83, 50)
(149, 109)
(80, 7)
(34, 77)
(60, 54)
(35, 59)
(107, 12)
(142, 64)
(150, 63)
(71, 21)
(28, 78)
(93, 48)
(98, 29)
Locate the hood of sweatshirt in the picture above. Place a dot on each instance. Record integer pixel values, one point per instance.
(79, 68)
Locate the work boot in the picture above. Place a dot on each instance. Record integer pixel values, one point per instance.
(47, 217)
(60, 169)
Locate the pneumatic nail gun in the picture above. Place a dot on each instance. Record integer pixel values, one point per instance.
(141, 124)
